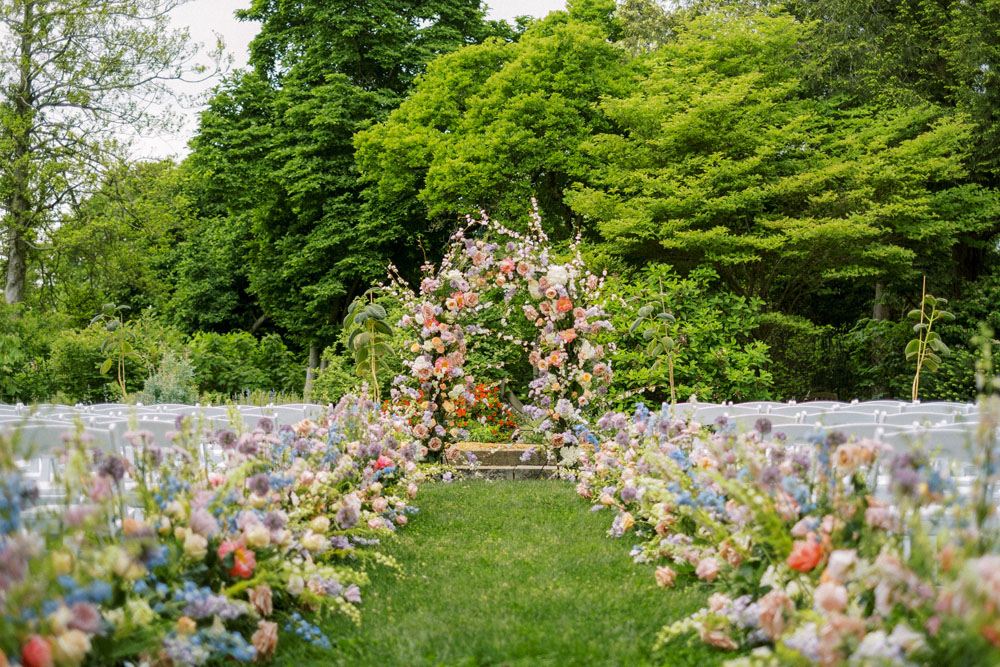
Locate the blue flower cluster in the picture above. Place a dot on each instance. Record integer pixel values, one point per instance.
(307, 631)
(203, 603)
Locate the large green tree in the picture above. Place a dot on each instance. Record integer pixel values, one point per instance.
(724, 157)
(73, 75)
(276, 146)
(491, 125)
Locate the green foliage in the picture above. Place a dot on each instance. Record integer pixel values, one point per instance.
(173, 382)
(336, 379)
(277, 145)
(77, 356)
(25, 342)
(230, 364)
(118, 245)
(75, 73)
(658, 328)
(716, 355)
(369, 338)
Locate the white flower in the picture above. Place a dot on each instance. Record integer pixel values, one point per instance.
(558, 274)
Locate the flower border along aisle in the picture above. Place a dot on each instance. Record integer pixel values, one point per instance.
(177, 557)
(515, 272)
(809, 564)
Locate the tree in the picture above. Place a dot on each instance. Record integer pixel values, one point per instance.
(277, 146)
(493, 124)
(119, 244)
(724, 157)
(73, 75)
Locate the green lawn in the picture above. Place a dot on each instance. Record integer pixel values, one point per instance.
(509, 573)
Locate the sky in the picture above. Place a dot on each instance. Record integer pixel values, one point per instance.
(205, 18)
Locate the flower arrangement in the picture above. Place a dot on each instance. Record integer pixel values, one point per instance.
(205, 548)
(486, 266)
(833, 552)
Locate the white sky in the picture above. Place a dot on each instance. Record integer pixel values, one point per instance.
(204, 18)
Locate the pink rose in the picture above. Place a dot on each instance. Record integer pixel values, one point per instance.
(708, 569)
(840, 561)
(383, 462)
(401, 519)
(380, 505)
(830, 596)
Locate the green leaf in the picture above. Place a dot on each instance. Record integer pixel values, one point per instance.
(635, 325)
(920, 326)
(667, 317)
(648, 334)
(375, 310)
(383, 328)
(946, 316)
(645, 311)
(106, 366)
(912, 348)
(914, 314)
(126, 347)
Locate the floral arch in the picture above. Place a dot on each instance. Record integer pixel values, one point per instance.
(488, 265)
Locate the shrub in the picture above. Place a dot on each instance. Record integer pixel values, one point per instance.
(173, 382)
(25, 342)
(235, 362)
(717, 356)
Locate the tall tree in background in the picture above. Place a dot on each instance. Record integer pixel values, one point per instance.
(277, 143)
(73, 75)
(492, 125)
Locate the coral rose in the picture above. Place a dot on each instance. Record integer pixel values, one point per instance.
(244, 561)
(564, 305)
(806, 554)
(36, 652)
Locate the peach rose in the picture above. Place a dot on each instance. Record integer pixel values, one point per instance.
(265, 640)
(719, 639)
(772, 612)
(830, 596)
(665, 576)
(708, 569)
(261, 598)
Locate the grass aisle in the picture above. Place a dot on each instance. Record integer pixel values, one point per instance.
(509, 573)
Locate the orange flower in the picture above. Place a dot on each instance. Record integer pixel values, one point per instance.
(564, 305)
(806, 554)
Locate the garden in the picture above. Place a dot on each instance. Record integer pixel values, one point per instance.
(639, 333)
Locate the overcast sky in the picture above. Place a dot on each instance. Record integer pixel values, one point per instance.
(206, 17)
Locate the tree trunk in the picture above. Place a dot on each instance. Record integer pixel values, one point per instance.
(880, 312)
(311, 370)
(881, 309)
(18, 222)
(17, 265)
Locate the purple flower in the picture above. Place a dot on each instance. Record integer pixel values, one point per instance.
(763, 425)
(353, 594)
(260, 484)
(203, 523)
(266, 424)
(86, 618)
(225, 438)
(113, 467)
